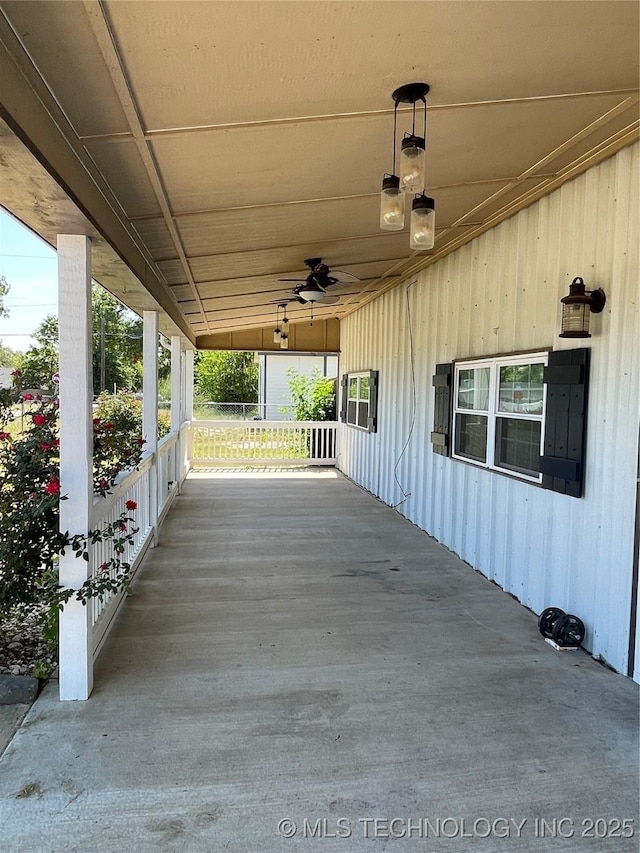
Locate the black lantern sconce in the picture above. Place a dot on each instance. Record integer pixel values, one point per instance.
(412, 175)
(577, 308)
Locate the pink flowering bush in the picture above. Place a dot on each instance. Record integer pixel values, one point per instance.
(30, 539)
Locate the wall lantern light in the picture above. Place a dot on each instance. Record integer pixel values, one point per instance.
(412, 174)
(578, 306)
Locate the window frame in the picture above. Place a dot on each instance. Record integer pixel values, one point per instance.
(358, 375)
(493, 413)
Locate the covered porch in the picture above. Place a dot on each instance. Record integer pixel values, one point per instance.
(296, 650)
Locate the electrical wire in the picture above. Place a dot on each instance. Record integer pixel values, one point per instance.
(405, 494)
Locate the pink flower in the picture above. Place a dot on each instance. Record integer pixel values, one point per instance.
(104, 567)
(140, 441)
(131, 505)
(103, 484)
(53, 486)
(44, 445)
(16, 372)
(96, 421)
(28, 397)
(4, 436)
(38, 419)
(107, 426)
(122, 526)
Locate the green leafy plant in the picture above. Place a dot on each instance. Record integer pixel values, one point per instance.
(314, 396)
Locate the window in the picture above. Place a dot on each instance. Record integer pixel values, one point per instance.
(498, 413)
(360, 399)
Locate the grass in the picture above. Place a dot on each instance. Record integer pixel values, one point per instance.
(244, 443)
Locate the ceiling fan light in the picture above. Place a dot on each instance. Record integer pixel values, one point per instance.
(311, 292)
(423, 223)
(391, 204)
(412, 164)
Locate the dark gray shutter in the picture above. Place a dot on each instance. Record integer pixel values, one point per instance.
(440, 436)
(565, 426)
(344, 394)
(372, 420)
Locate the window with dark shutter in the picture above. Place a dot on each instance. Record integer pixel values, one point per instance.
(567, 378)
(344, 396)
(442, 409)
(372, 418)
(359, 401)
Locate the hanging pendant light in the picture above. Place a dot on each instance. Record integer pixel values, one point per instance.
(284, 334)
(423, 222)
(412, 173)
(277, 331)
(391, 204)
(412, 149)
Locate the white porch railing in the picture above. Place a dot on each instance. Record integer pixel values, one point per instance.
(172, 465)
(264, 442)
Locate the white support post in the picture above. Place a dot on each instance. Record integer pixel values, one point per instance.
(176, 401)
(188, 399)
(150, 408)
(76, 455)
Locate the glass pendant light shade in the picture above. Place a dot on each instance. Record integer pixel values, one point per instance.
(412, 164)
(391, 204)
(276, 335)
(423, 223)
(284, 341)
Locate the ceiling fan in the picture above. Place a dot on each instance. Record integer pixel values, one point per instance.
(313, 288)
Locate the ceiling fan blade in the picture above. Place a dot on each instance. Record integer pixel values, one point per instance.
(300, 280)
(341, 275)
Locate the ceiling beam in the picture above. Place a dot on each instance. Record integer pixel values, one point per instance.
(284, 120)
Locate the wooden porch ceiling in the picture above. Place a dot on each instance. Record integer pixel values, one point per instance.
(210, 147)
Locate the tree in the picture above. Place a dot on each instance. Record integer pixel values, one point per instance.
(117, 348)
(314, 396)
(4, 289)
(117, 343)
(9, 357)
(40, 362)
(226, 377)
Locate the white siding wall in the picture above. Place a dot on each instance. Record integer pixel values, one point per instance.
(501, 293)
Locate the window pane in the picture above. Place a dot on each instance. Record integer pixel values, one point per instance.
(473, 388)
(364, 387)
(363, 414)
(518, 445)
(471, 436)
(351, 411)
(521, 388)
(353, 387)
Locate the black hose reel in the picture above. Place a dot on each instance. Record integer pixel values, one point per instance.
(564, 629)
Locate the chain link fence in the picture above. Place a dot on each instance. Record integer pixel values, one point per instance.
(212, 411)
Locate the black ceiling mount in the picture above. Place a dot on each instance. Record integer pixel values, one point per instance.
(410, 93)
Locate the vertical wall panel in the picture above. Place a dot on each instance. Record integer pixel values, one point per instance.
(501, 293)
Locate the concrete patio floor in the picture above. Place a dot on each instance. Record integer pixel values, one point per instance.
(295, 650)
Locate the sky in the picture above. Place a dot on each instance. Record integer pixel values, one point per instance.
(30, 266)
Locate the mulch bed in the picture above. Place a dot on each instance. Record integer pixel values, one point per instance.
(22, 645)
